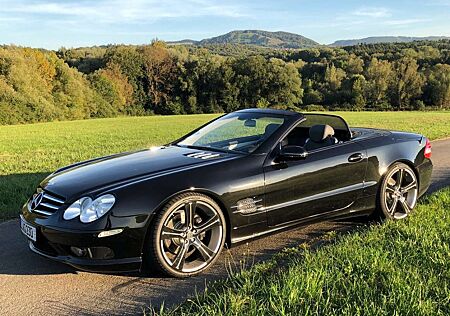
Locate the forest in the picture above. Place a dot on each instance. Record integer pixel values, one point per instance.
(106, 81)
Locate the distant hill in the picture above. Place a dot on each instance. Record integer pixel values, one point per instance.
(258, 38)
(183, 42)
(386, 39)
(281, 39)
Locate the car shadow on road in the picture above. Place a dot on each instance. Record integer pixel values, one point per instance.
(17, 259)
(15, 189)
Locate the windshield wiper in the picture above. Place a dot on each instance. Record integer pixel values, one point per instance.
(207, 148)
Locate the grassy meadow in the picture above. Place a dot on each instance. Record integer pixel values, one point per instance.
(398, 268)
(29, 152)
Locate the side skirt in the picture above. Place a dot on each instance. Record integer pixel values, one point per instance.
(362, 207)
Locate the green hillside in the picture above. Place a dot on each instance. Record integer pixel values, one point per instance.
(262, 38)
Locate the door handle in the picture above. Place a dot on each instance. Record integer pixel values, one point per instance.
(356, 157)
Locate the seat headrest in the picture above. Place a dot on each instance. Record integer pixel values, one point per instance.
(270, 129)
(319, 133)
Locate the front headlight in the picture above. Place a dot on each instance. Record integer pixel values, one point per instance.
(75, 209)
(89, 210)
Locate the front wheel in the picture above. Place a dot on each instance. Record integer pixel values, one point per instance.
(398, 192)
(187, 236)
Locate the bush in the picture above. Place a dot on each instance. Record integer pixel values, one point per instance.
(315, 108)
(37, 86)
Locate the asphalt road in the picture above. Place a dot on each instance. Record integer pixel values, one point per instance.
(31, 285)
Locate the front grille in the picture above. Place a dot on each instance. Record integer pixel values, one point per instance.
(48, 205)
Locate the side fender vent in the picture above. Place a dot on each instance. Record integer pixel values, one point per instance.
(248, 206)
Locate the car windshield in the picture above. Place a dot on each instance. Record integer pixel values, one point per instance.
(240, 132)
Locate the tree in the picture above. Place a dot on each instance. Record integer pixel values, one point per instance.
(333, 80)
(131, 64)
(354, 92)
(311, 96)
(437, 89)
(354, 65)
(251, 79)
(379, 77)
(309, 55)
(207, 84)
(114, 87)
(285, 86)
(275, 83)
(333, 77)
(160, 70)
(407, 83)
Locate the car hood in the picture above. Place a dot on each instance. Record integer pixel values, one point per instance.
(103, 172)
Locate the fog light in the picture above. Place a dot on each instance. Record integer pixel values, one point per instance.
(79, 252)
(101, 253)
(111, 232)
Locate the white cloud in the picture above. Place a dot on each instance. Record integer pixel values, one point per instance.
(371, 16)
(372, 12)
(404, 22)
(11, 19)
(444, 3)
(123, 11)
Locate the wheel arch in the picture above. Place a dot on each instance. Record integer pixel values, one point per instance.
(407, 162)
(214, 196)
(382, 176)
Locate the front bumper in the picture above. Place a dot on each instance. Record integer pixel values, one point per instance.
(86, 251)
(92, 265)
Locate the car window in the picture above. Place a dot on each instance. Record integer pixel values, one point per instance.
(300, 134)
(342, 131)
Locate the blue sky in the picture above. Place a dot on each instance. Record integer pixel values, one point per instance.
(52, 24)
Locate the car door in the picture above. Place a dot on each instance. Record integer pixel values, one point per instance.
(328, 180)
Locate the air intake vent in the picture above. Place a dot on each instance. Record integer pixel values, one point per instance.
(44, 203)
(202, 155)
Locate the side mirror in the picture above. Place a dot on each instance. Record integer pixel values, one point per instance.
(293, 153)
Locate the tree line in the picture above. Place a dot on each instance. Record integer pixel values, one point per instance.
(40, 85)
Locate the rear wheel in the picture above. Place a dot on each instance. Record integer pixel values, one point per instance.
(398, 192)
(187, 236)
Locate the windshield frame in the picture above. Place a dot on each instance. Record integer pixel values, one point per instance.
(268, 113)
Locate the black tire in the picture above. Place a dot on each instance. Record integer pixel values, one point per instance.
(398, 193)
(182, 245)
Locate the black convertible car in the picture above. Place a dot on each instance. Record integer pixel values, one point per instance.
(243, 175)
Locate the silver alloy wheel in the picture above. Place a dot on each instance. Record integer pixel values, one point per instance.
(191, 236)
(401, 191)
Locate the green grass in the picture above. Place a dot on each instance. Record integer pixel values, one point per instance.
(434, 125)
(398, 268)
(29, 152)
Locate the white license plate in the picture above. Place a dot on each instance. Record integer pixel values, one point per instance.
(28, 230)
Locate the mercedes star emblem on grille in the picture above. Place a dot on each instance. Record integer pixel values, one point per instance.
(37, 199)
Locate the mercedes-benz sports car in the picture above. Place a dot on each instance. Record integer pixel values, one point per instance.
(243, 175)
